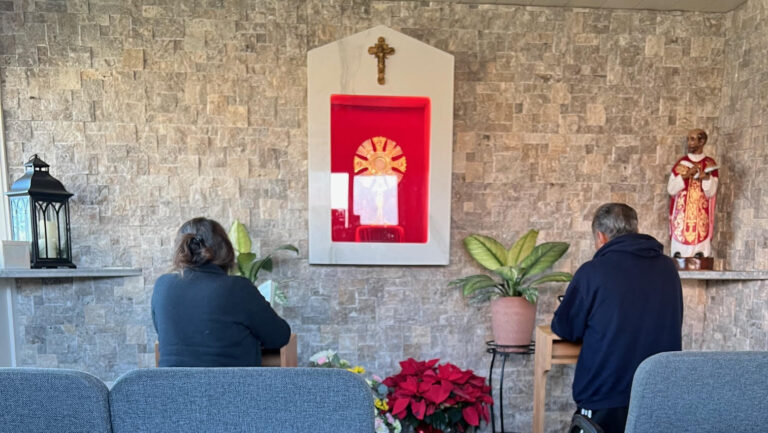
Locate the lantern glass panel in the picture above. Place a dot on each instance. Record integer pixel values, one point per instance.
(47, 214)
(21, 227)
(62, 219)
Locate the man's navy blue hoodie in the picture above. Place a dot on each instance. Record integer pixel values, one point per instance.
(625, 305)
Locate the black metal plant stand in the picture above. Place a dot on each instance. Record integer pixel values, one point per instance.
(504, 352)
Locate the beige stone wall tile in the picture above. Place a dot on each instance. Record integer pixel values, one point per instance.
(154, 113)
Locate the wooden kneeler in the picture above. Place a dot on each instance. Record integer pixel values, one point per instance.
(286, 356)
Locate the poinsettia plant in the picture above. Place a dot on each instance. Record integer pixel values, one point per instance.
(438, 398)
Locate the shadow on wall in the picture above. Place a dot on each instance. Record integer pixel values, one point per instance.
(730, 191)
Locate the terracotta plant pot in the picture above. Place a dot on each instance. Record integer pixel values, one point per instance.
(512, 321)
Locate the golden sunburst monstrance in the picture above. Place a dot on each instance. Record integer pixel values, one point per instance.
(376, 156)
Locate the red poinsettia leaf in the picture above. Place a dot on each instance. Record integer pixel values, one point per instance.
(429, 375)
(424, 387)
(472, 393)
(460, 394)
(470, 416)
(399, 406)
(452, 373)
(430, 409)
(409, 366)
(438, 393)
(484, 413)
(431, 363)
(411, 385)
(477, 381)
(444, 371)
(418, 408)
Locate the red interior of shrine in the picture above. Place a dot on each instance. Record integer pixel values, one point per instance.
(405, 122)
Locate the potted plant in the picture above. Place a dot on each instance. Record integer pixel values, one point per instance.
(249, 265)
(519, 273)
(442, 398)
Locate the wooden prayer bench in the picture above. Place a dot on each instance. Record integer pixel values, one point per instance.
(550, 349)
(286, 356)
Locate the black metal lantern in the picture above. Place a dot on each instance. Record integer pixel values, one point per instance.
(40, 215)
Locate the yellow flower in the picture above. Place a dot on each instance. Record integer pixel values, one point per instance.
(357, 369)
(381, 405)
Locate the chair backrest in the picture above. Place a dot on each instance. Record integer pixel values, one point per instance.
(38, 400)
(700, 392)
(257, 400)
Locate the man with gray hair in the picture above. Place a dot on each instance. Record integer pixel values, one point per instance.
(624, 305)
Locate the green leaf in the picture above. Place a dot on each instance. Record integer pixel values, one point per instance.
(258, 265)
(530, 294)
(245, 263)
(473, 283)
(239, 237)
(522, 247)
(286, 247)
(482, 296)
(554, 277)
(542, 257)
(487, 251)
(509, 273)
(266, 262)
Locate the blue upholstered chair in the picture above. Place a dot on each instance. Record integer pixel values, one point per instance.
(255, 400)
(700, 392)
(52, 400)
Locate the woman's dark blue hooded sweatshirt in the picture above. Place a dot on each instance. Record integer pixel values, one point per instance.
(625, 305)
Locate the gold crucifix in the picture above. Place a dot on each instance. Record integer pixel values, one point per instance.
(381, 50)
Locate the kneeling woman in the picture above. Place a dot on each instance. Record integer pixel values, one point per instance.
(205, 317)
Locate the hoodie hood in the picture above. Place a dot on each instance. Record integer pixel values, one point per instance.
(632, 243)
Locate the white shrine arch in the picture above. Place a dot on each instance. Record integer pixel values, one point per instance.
(415, 72)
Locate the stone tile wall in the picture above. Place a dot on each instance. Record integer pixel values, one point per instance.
(153, 112)
(736, 315)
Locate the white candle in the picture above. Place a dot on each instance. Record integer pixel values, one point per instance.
(52, 238)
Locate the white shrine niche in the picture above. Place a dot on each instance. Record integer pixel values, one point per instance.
(379, 154)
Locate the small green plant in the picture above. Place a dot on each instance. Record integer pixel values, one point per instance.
(519, 268)
(248, 264)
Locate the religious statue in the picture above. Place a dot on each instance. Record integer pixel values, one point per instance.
(692, 187)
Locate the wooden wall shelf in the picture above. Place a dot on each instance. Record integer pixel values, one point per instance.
(70, 273)
(724, 275)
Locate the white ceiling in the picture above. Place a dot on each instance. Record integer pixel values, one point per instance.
(660, 5)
